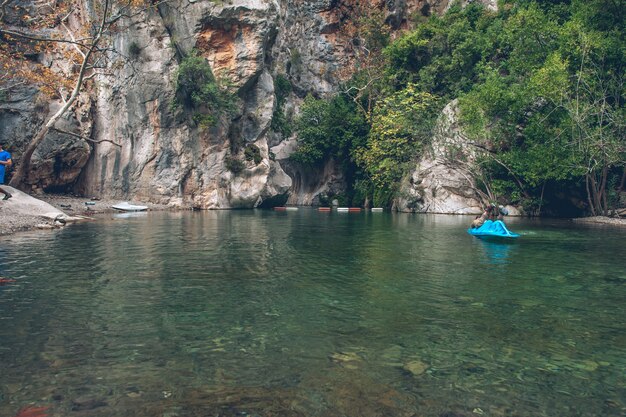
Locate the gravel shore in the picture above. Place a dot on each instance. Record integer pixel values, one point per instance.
(617, 221)
(12, 220)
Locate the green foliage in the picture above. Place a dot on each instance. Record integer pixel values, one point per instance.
(282, 86)
(280, 123)
(134, 50)
(401, 125)
(540, 88)
(204, 120)
(295, 61)
(328, 128)
(544, 95)
(442, 56)
(199, 90)
(253, 153)
(234, 165)
(382, 197)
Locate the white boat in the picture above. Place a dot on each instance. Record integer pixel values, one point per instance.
(377, 209)
(125, 206)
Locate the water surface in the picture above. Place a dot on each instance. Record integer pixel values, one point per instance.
(265, 313)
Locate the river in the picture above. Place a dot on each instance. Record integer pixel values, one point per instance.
(263, 313)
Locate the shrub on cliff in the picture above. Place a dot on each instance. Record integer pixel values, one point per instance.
(280, 121)
(197, 89)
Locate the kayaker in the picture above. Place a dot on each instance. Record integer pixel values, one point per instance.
(502, 211)
(497, 212)
(480, 220)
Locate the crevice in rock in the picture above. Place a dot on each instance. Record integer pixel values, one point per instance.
(164, 9)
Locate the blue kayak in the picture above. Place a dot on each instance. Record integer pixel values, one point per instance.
(492, 229)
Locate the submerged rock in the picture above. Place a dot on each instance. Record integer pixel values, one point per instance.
(416, 367)
(348, 360)
(87, 403)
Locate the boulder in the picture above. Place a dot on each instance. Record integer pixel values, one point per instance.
(22, 204)
(441, 181)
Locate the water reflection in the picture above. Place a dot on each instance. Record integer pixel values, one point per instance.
(496, 251)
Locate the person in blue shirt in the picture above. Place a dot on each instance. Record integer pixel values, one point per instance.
(5, 161)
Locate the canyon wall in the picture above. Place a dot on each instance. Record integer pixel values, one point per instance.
(143, 147)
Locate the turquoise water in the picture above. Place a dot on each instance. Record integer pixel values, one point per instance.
(262, 313)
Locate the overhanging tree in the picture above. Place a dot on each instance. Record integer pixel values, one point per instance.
(89, 49)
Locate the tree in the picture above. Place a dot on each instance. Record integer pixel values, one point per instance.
(595, 116)
(550, 108)
(328, 128)
(88, 50)
(401, 125)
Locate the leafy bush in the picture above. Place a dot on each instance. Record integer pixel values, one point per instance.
(204, 120)
(401, 124)
(197, 89)
(134, 50)
(280, 123)
(234, 165)
(328, 128)
(538, 87)
(253, 153)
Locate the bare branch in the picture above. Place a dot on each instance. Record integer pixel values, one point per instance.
(71, 35)
(499, 162)
(65, 132)
(18, 178)
(41, 39)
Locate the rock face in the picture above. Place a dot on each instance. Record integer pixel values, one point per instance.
(147, 150)
(165, 157)
(60, 158)
(440, 182)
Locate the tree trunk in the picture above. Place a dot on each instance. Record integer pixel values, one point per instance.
(589, 199)
(602, 194)
(19, 177)
(543, 188)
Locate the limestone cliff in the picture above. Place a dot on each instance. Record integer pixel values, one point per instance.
(441, 181)
(145, 149)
